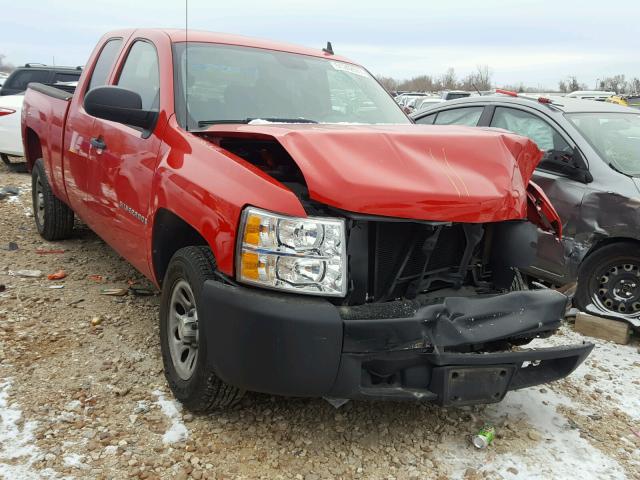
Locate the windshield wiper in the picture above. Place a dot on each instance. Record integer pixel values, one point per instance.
(204, 123)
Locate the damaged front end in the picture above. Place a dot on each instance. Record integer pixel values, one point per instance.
(432, 309)
(430, 314)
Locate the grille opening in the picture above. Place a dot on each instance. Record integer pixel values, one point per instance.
(403, 254)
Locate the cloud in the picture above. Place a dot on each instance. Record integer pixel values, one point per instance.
(531, 41)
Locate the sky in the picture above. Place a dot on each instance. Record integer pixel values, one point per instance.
(536, 43)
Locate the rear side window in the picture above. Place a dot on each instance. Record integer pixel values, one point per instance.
(66, 77)
(22, 78)
(467, 116)
(104, 63)
(141, 74)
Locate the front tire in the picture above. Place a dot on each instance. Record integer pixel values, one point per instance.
(54, 219)
(184, 346)
(609, 278)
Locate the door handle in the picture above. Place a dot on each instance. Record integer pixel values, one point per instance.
(99, 144)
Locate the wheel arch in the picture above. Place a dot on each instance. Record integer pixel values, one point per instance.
(170, 233)
(605, 242)
(32, 147)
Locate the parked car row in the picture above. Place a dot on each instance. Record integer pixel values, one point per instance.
(591, 173)
(416, 101)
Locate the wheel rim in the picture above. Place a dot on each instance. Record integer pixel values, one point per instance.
(183, 330)
(616, 288)
(39, 202)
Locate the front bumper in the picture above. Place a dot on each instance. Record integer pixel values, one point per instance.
(304, 346)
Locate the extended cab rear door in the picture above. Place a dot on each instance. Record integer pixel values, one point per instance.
(79, 162)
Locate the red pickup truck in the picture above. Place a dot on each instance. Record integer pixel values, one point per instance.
(309, 240)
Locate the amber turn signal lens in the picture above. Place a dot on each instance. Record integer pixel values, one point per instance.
(249, 265)
(252, 230)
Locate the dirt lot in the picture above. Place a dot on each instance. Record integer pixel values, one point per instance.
(79, 400)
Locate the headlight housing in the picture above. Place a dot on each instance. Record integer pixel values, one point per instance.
(302, 255)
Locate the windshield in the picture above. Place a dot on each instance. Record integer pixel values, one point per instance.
(615, 136)
(230, 84)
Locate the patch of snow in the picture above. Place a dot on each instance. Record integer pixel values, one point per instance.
(177, 431)
(614, 368)
(141, 407)
(561, 453)
(22, 189)
(17, 442)
(110, 450)
(73, 406)
(74, 460)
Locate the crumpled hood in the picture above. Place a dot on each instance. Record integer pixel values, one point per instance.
(439, 173)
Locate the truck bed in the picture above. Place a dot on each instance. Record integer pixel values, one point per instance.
(45, 114)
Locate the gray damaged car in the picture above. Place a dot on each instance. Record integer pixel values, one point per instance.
(591, 173)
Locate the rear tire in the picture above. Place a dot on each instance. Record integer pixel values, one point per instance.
(184, 346)
(5, 158)
(609, 278)
(54, 219)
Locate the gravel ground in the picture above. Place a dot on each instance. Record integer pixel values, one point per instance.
(82, 395)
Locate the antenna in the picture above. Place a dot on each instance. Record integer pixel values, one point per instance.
(476, 88)
(328, 49)
(186, 65)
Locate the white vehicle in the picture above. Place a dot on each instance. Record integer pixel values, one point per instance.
(427, 102)
(3, 78)
(10, 129)
(598, 95)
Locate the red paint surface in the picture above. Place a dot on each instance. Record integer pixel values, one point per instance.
(416, 172)
(458, 174)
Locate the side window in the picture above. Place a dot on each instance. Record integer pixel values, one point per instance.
(467, 116)
(21, 79)
(104, 63)
(531, 126)
(427, 120)
(141, 74)
(66, 77)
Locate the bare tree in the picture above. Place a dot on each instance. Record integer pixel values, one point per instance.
(389, 83)
(448, 80)
(483, 77)
(5, 67)
(478, 80)
(562, 86)
(573, 84)
(617, 84)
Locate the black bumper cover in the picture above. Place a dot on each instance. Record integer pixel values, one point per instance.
(305, 346)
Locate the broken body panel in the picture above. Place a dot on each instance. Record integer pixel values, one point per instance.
(452, 174)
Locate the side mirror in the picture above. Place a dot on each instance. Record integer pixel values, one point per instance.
(119, 105)
(570, 164)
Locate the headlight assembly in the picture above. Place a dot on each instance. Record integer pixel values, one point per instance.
(302, 255)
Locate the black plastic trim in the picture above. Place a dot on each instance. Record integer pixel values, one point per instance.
(51, 91)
